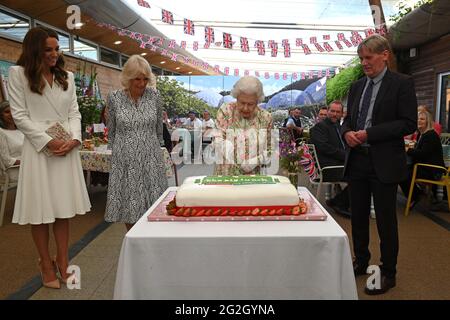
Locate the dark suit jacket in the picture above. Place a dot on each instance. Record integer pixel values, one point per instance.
(428, 150)
(394, 116)
(330, 150)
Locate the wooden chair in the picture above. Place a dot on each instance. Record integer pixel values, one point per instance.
(445, 138)
(6, 183)
(444, 182)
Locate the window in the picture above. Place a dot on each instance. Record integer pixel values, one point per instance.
(64, 40)
(444, 100)
(157, 71)
(84, 49)
(109, 56)
(124, 59)
(13, 26)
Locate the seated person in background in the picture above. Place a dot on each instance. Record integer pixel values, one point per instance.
(295, 125)
(428, 149)
(194, 123)
(207, 126)
(330, 148)
(287, 119)
(436, 126)
(11, 140)
(323, 114)
(166, 134)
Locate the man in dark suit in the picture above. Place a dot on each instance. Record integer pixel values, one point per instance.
(330, 147)
(382, 109)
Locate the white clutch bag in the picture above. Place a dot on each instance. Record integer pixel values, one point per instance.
(56, 131)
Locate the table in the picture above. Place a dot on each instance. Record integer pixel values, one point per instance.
(100, 161)
(235, 260)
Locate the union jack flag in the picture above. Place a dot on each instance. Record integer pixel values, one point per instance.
(276, 75)
(246, 73)
(299, 42)
(354, 41)
(226, 70)
(195, 45)
(236, 72)
(271, 43)
(327, 47)
(259, 44)
(313, 40)
(369, 32)
(287, 51)
(209, 35)
(174, 57)
(340, 36)
(167, 16)
(244, 45)
(274, 49)
(172, 44)
(159, 42)
(266, 75)
(206, 45)
(339, 45)
(143, 3)
(294, 76)
(319, 74)
(285, 76)
(285, 42)
(326, 37)
(303, 76)
(257, 74)
(306, 49)
(217, 68)
(183, 44)
(347, 43)
(189, 27)
(311, 74)
(319, 47)
(327, 73)
(227, 41)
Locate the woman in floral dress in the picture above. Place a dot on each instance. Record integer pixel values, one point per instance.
(242, 142)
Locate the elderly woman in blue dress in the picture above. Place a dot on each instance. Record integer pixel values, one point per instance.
(137, 177)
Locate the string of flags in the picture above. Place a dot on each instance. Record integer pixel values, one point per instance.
(156, 43)
(323, 45)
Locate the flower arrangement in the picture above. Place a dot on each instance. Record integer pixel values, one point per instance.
(290, 157)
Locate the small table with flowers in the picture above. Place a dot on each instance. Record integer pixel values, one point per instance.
(99, 160)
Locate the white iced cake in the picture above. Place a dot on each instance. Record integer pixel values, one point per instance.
(236, 195)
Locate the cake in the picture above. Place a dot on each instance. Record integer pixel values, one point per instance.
(236, 196)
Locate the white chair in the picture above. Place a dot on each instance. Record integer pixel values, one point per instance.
(318, 182)
(6, 182)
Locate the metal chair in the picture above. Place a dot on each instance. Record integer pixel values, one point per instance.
(444, 182)
(320, 170)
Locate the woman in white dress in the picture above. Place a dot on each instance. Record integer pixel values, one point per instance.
(11, 142)
(51, 189)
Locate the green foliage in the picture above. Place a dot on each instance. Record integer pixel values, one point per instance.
(404, 7)
(178, 101)
(90, 108)
(339, 86)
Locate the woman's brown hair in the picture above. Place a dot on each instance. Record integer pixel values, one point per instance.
(31, 59)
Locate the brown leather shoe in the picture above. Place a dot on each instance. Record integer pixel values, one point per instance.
(386, 284)
(359, 269)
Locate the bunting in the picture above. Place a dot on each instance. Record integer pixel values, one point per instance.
(143, 3)
(244, 45)
(260, 47)
(189, 27)
(209, 35)
(167, 16)
(227, 41)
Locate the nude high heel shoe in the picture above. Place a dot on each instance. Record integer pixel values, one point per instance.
(54, 284)
(72, 279)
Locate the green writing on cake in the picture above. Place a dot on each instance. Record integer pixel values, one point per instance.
(237, 180)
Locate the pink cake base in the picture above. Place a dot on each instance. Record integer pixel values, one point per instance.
(314, 213)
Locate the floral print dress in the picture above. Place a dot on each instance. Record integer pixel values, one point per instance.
(252, 135)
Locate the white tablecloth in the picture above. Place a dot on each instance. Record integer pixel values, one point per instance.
(235, 260)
